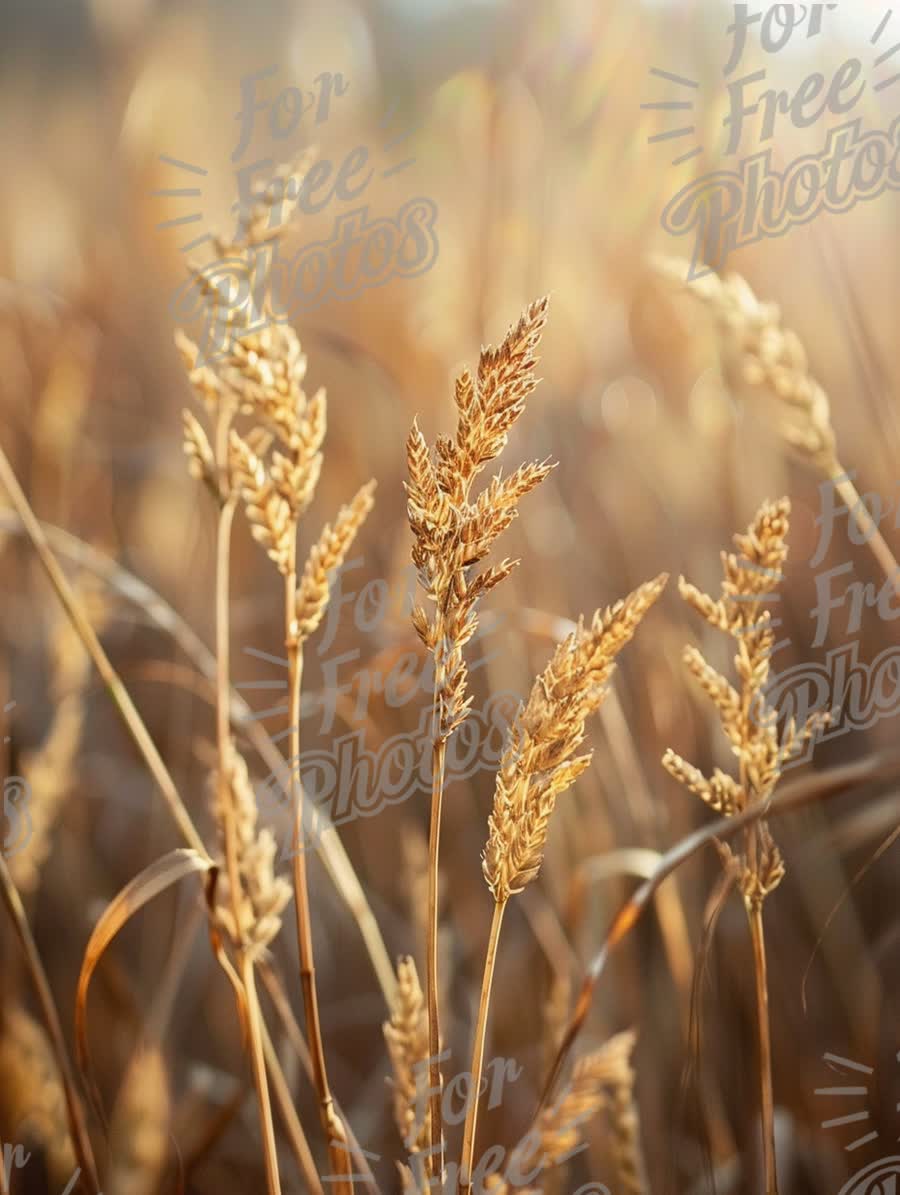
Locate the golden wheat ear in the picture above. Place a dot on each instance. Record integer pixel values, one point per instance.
(601, 1082)
(406, 1035)
(761, 355)
(537, 765)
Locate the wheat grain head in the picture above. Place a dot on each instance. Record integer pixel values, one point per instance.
(761, 354)
(537, 764)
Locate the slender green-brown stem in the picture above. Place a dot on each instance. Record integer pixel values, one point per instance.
(86, 633)
(767, 1106)
(435, 1078)
(332, 1125)
(867, 525)
(467, 1158)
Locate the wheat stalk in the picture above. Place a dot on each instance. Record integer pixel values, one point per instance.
(538, 765)
(274, 468)
(260, 374)
(750, 578)
(761, 354)
(451, 535)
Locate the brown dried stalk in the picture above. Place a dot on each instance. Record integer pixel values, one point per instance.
(451, 535)
(537, 766)
(760, 354)
(751, 726)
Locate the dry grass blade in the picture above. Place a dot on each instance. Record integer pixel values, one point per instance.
(145, 887)
(283, 1098)
(117, 690)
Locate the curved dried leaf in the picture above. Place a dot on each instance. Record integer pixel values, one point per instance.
(155, 879)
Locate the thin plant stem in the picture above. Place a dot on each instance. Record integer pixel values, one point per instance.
(294, 1128)
(467, 1158)
(753, 906)
(332, 1126)
(435, 1078)
(258, 1062)
(294, 1036)
(767, 1107)
(226, 802)
(223, 721)
(86, 633)
(74, 1113)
